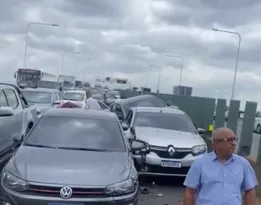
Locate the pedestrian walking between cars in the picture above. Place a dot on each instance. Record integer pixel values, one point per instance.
(91, 103)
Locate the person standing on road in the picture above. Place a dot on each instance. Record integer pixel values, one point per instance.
(220, 177)
(91, 103)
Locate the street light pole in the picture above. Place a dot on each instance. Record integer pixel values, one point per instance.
(63, 59)
(237, 57)
(26, 37)
(158, 77)
(181, 66)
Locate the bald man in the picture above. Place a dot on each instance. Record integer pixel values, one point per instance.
(91, 103)
(220, 177)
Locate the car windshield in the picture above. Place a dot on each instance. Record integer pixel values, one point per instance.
(112, 94)
(37, 97)
(148, 102)
(170, 121)
(77, 134)
(97, 96)
(73, 96)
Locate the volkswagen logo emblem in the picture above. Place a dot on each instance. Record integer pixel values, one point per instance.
(66, 192)
(171, 151)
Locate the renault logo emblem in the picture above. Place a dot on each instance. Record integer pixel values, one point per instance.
(66, 192)
(171, 151)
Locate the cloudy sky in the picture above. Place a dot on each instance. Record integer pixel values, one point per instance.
(121, 38)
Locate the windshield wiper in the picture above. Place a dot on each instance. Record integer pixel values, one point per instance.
(83, 149)
(37, 145)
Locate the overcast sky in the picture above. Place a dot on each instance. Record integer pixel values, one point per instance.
(121, 38)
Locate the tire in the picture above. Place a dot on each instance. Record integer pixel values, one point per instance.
(258, 129)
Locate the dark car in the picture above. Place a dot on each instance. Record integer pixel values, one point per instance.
(122, 106)
(73, 156)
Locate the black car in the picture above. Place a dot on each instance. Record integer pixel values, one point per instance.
(122, 106)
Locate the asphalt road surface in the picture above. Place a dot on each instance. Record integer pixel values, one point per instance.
(162, 191)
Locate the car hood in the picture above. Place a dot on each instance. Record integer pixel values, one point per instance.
(72, 167)
(165, 137)
(40, 106)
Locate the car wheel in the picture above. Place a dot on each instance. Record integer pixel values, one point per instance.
(258, 129)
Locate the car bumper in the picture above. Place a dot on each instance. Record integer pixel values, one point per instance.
(153, 165)
(10, 197)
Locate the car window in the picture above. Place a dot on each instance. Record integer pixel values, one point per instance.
(97, 96)
(112, 94)
(56, 97)
(170, 121)
(258, 114)
(113, 108)
(129, 117)
(73, 96)
(3, 102)
(65, 132)
(37, 97)
(11, 98)
(118, 109)
(103, 106)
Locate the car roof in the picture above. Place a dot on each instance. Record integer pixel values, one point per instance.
(136, 98)
(169, 110)
(6, 86)
(40, 90)
(81, 113)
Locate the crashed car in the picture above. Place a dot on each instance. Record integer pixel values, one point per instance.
(173, 140)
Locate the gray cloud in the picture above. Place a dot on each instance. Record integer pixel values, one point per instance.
(123, 37)
(204, 13)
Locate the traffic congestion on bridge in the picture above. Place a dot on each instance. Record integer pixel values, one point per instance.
(130, 102)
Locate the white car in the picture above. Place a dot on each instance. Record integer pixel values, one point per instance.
(79, 98)
(76, 96)
(173, 140)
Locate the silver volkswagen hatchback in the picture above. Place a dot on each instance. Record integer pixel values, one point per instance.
(72, 156)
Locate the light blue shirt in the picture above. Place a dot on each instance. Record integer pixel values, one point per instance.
(220, 184)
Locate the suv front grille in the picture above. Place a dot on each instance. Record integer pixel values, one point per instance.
(179, 153)
(77, 192)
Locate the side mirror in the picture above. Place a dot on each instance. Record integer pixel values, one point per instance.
(168, 103)
(124, 126)
(138, 146)
(132, 130)
(15, 75)
(6, 112)
(121, 118)
(201, 130)
(17, 138)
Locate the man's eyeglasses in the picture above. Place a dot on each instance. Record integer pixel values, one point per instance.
(230, 139)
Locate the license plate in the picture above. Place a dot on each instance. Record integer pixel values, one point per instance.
(171, 164)
(63, 204)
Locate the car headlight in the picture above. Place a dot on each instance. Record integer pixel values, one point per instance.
(12, 182)
(121, 188)
(199, 149)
